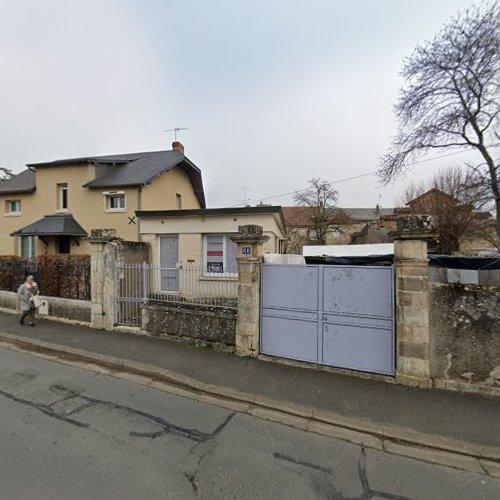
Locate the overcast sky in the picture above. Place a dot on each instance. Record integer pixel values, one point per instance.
(274, 92)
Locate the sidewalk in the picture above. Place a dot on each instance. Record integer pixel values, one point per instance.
(463, 417)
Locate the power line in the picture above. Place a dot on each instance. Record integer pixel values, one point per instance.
(345, 180)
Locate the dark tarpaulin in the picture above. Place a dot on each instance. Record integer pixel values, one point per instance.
(370, 260)
(458, 262)
(448, 261)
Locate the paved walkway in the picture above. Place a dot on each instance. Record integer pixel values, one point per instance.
(465, 417)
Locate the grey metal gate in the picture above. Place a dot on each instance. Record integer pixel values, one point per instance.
(340, 316)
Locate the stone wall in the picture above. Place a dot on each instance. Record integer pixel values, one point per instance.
(464, 276)
(74, 311)
(206, 324)
(465, 332)
(8, 300)
(68, 310)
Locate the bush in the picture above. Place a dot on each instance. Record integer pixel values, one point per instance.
(66, 276)
(12, 272)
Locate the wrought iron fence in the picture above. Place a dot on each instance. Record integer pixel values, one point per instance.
(137, 284)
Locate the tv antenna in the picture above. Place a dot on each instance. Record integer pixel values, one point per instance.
(175, 131)
(246, 191)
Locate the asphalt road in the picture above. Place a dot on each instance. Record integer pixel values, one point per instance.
(68, 433)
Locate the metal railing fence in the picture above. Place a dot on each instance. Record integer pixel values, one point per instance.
(138, 284)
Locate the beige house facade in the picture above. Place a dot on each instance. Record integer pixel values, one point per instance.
(201, 238)
(52, 207)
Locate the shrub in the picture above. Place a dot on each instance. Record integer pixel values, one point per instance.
(66, 276)
(12, 272)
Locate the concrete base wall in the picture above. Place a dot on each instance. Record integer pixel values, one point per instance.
(8, 300)
(215, 325)
(70, 310)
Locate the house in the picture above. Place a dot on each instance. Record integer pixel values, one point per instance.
(51, 207)
(201, 237)
(460, 227)
(348, 226)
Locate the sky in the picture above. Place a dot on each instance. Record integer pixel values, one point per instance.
(273, 92)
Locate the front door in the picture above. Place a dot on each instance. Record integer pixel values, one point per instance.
(64, 244)
(169, 263)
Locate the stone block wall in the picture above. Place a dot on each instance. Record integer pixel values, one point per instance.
(464, 276)
(412, 312)
(207, 324)
(465, 332)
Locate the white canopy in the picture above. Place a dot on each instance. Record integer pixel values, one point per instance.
(348, 250)
(285, 259)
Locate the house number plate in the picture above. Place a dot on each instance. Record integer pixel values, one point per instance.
(246, 250)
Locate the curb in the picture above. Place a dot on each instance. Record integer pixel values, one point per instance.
(398, 440)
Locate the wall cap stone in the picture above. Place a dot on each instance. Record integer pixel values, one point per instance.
(414, 227)
(250, 233)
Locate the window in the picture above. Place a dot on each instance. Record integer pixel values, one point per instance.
(115, 202)
(13, 207)
(62, 190)
(220, 254)
(27, 246)
(178, 201)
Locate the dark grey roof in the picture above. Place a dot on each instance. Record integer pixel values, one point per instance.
(135, 169)
(53, 225)
(23, 182)
(207, 212)
(365, 214)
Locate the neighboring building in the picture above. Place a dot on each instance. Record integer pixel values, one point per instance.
(51, 207)
(349, 226)
(201, 237)
(453, 218)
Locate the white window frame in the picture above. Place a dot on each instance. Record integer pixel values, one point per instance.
(224, 274)
(114, 194)
(8, 209)
(31, 246)
(62, 187)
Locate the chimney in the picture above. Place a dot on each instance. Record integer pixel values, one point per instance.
(178, 145)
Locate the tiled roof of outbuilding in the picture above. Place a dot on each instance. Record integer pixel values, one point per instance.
(23, 182)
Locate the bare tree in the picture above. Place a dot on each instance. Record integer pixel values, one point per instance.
(455, 199)
(319, 199)
(451, 97)
(5, 174)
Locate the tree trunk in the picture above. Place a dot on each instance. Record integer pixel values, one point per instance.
(493, 183)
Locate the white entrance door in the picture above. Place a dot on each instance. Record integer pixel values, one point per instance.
(169, 263)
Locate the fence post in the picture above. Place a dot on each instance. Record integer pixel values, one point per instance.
(250, 240)
(414, 341)
(145, 282)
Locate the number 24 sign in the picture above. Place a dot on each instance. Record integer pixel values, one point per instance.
(246, 250)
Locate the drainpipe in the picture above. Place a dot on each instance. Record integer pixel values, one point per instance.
(139, 207)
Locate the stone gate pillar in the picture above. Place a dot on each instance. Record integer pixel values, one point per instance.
(103, 255)
(250, 240)
(413, 337)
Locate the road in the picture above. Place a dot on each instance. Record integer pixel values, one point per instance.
(70, 433)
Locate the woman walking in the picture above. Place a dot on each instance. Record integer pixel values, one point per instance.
(27, 292)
